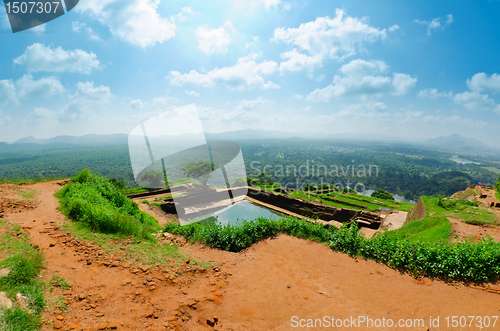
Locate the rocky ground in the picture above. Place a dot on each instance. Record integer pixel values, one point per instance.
(271, 286)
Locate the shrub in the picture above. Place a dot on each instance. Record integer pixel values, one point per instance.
(382, 194)
(99, 203)
(463, 260)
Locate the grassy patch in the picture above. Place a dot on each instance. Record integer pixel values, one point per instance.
(131, 249)
(432, 229)
(463, 260)
(39, 179)
(352, 201)
(28, 194)
(25, 263)
(96, 202)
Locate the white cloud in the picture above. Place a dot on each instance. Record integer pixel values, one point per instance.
(86, 100)
(481, 82)
(394, 28)
(336, 38)
(298, 61)
(432, 93)
(82, 27)
(135, 21)
(38, 57)
(435, 24)
(361, 67)
(244, 75)
(180, 16)
(137, 104)
(192, 93)
(214, 40)
(298, 96)
(476, 101)
(7, 92)
(308, 108)
(359, 80)
(41, 113)
(27, 87)
(4, 120)
(246, 105)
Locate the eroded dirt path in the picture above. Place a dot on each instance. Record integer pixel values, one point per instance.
(261, 288)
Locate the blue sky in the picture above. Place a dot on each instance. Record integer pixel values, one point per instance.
(412, 69)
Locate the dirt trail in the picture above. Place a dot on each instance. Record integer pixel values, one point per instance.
(261, 288)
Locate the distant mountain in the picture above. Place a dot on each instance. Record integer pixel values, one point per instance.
(119, 139)
(89, 139)
(457, 142)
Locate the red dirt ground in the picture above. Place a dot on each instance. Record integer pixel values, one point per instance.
(261, 288)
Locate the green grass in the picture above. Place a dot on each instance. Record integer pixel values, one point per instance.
(25, 263)
(432, 229)
(357, 202)
(95, 201)
(493, 169)
(39, 179)
(131, 249)
(462, 260)
(28, 193)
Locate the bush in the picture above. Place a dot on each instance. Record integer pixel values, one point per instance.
(463, 260)
(99, 203)
(382, 194)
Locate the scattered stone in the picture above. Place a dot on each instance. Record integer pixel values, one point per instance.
(102, 326)
(149, 313)
(144, 269)
(60, 317)
(212, 321)
(58, 324)
(67, 292)
(52, 244)
(4, 272)
(81, 296)
(99, 315)
(93, 305)
(149, 278)
(4, 301)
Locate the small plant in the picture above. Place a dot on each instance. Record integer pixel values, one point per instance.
(382, 194)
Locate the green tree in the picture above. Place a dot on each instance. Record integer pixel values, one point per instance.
(199, 170)
(382, 194)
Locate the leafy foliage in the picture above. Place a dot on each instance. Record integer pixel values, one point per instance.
(202, 170)
(97, 202)
(382, 194)
(462, 260)
(25, 263)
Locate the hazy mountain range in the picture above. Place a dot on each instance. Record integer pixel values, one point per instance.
(452, 142)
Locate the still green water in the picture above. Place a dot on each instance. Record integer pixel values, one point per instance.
(241, 211)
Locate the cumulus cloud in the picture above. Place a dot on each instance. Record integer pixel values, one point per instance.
(82, 27)
(135, 21)
(361, 79)
(192, 93)
(334, 38)
(86, 99)
(7, 92)
(476, 101)
(481, 82)
(246, 74)
(38, 57)
(432, 93)
(214, 40)
(435, 24)
(27, 87)
(246, 105)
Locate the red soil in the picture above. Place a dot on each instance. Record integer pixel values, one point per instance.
(261, 288)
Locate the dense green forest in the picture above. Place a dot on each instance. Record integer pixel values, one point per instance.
(398, 168)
